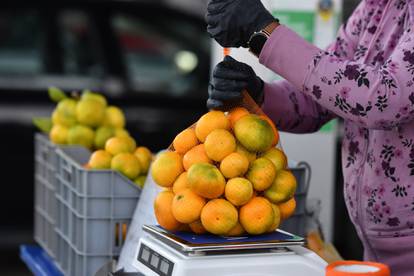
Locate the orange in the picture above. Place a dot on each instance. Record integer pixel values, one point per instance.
(140, 180)
(166, 167)
(81, 135)
(187, 206)
(233, 165)
(144, 156)
(287, 208)
(277, 218)
(197, 227)
(100, 159)
(238, 191)
(219, 143)
(210, 121)
(283, 187)
(219, 216)
(185, 141)
(114, 117)
(206, 180)
(181, 183)
(60, 119)
(257, 216)
(194, 156)
(236, 113)
(59, 134)
(89, 95)
(131, 141)
(251, 156)
(261, 173)
(102, 134)
(254, 133)
(121, 132)
(90, 112)
(65, 113)
(117, 145)
(163, 211)
(237, 230)
(127, 164)
(275, 132)
(277, 157)
(184, 228)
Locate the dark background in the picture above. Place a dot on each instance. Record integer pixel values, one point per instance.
(126, 50)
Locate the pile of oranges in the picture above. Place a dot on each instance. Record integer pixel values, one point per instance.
(122, 154)
(224, 176)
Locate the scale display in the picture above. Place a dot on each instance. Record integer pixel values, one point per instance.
(155, 261)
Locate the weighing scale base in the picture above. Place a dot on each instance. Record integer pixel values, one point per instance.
(157, 256)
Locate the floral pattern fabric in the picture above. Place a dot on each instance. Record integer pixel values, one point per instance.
(366, 77)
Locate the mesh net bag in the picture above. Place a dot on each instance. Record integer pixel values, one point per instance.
(225, 175)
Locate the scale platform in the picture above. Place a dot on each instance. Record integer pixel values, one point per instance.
(193, 243)
(164, 253)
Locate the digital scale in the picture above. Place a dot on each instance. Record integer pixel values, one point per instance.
(164, 253)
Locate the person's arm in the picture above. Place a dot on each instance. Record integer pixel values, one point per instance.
(375, 97)
(291, 110)
(294, 111)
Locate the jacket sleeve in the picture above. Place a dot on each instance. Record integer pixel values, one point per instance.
(296, 112)
(293, 111)
(373, 96)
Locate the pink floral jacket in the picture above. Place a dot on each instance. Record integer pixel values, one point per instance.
(366, 77)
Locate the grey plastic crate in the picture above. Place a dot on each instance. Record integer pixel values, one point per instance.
(296, 224)
(45, 201)
(94, 208)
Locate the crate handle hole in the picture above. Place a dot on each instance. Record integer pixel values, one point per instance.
(117, 243)
(44, 155)
(124, 232)
(67, 176)
(120, 233)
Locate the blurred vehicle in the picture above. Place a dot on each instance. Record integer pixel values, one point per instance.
(149, 59)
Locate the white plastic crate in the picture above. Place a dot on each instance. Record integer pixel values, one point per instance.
(45, 201)
(94, 209)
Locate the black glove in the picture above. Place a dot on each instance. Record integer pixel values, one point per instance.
(229, 79)
(232, 22)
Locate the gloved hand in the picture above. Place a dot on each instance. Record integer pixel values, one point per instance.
(232, 22)
(229, 79)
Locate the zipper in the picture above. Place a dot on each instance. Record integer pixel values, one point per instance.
(361, 170)
(359, 219)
